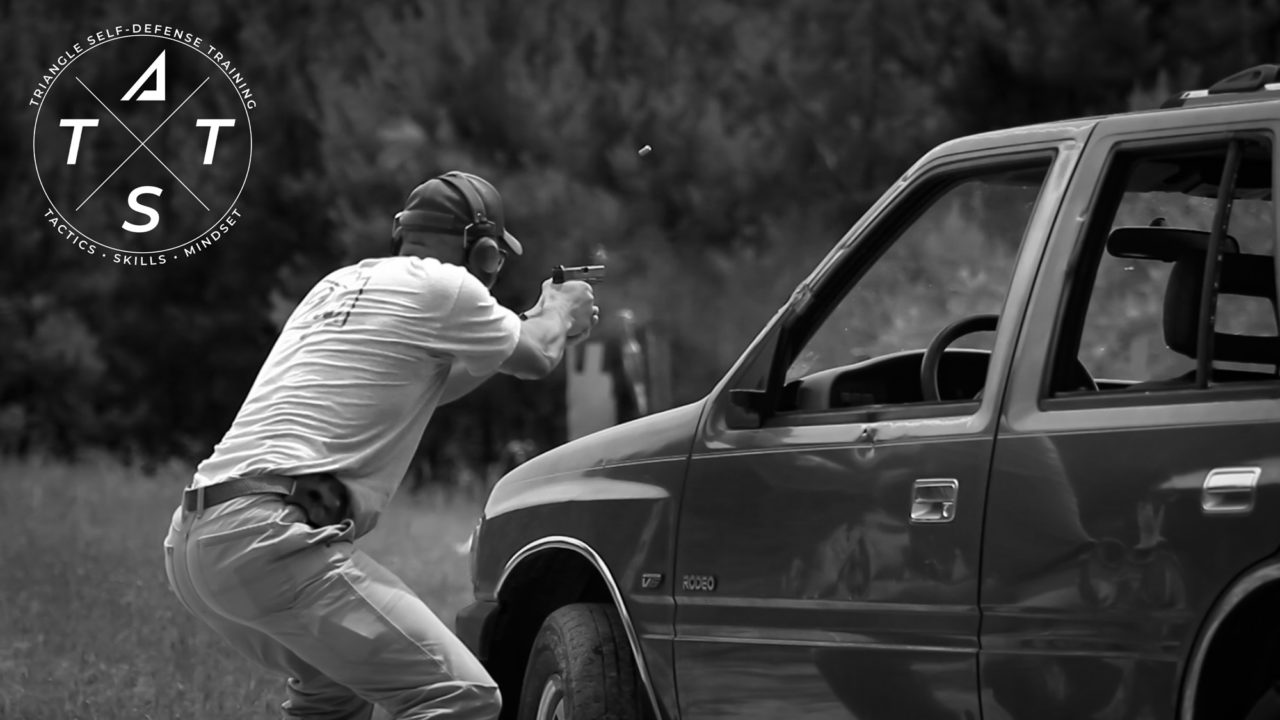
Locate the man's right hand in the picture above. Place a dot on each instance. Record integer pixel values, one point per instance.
(564, 315)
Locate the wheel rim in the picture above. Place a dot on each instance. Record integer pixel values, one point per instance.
(551, 704)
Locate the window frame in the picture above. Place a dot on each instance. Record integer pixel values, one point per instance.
(1090, 245)
(830, 289)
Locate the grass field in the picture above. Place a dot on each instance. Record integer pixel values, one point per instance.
(89, 627)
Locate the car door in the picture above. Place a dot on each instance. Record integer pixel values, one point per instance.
(1119, 512)
(828, 546)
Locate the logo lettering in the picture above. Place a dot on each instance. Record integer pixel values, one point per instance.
(143, 209)
(148, 161)
(214, 126)
(78, 125)
(155, 93)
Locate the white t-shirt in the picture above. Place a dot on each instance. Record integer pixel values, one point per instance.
(356, 373)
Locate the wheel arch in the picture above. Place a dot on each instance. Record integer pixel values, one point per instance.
(1230, 624)
(562, 570)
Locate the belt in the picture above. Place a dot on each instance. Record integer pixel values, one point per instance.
(321, 496)
(221, 492)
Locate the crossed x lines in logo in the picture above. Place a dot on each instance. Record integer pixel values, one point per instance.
(142, 143)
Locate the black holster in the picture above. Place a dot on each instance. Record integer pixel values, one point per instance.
(322, 497)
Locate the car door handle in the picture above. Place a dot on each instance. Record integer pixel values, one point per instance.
(933, 500)
(1230, 490)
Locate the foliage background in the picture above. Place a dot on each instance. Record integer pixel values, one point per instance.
(774, 124)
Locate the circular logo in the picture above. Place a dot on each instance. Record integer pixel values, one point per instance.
(142, 143)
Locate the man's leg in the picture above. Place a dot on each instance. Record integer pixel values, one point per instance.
(338, 611)
(310, 693)
(362, 627)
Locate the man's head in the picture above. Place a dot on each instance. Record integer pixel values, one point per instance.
(456, 217)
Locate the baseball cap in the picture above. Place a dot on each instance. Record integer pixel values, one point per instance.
(458, 202)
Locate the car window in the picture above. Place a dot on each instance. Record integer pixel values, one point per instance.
(1141, 316)
(951, 258)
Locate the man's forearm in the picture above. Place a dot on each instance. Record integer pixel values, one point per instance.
(460, 383)
(541, 344)
(550, 327)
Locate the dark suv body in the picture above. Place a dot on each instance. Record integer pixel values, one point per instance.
(1074, 518)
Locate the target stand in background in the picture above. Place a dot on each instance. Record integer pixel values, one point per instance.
(620, 374)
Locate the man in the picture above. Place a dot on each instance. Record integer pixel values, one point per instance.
(261, 547)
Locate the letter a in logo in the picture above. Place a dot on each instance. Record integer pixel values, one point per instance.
(155, 93)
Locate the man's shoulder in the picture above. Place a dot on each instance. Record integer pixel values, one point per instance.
(400, 273)
(407, 267)
(423, 282)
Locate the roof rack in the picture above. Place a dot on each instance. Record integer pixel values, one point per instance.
(1260, 82)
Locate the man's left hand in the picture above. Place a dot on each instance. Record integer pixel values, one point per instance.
(575, 338)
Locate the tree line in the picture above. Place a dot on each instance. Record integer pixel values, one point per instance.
(773, 123)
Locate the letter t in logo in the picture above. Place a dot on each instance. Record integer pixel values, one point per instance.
(78, 125)
(214, 126)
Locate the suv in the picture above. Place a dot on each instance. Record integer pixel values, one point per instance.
(1012, 450)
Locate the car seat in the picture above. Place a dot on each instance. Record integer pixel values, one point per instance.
(1238, 274)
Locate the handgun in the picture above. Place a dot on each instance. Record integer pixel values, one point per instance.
(588, 273)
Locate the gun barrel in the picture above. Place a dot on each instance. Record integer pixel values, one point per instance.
(588, 273)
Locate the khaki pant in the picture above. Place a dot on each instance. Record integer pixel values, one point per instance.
(305, 603)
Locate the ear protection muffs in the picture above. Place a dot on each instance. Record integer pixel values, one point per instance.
(480, 248)
(479, 242)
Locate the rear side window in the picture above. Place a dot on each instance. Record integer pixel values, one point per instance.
(1133, 322)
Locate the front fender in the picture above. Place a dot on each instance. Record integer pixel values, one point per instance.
(626, 514)
(614, 490)
(1253, 581)
(611, 498)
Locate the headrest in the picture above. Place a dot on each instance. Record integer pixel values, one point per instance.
(1239, 274)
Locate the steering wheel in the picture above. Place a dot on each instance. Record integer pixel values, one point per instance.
(1080, 377)
(948, 335)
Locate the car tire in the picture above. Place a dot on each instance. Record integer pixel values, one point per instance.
(581, 668)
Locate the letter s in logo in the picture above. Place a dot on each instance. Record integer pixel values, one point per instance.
(143, 209)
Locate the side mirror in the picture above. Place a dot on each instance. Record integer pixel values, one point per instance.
(756, 401)
(748, 408)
